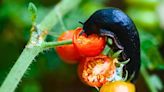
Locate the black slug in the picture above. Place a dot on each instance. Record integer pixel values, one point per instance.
(115, 24)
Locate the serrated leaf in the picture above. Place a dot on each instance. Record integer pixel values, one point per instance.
(150, 54)
(146, 61)
(155, 57)
(146, 43)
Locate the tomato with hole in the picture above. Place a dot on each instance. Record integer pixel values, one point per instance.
(68, 53)
(118, 86)
(88, 45)
(95, 71)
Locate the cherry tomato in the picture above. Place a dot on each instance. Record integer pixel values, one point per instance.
(94, 71)
(118, 86)
(68, 53)
(90, 45)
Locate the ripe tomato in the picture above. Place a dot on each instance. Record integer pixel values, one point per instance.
(118, 86)
(94, 71)
(68, 53)
(90, 45)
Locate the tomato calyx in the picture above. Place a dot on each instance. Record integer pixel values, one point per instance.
(120, 73)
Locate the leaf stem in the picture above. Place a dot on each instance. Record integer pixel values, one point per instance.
(147, 79)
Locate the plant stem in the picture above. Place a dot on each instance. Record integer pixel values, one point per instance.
(146, 78)
(23, 63)
(34, 47)
(51, 19)
(52, 44)
(19, 68)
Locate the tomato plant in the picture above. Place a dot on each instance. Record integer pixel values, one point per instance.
(95, 71)
(118, 86)
(88, 45)
(67, 53)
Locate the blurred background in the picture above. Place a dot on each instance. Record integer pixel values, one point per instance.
(48, 73)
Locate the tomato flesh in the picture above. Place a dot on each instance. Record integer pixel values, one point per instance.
(90, 45)
(95, 71)
(68, 53)
(118, 86)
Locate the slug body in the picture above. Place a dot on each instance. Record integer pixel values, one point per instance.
(115, 24)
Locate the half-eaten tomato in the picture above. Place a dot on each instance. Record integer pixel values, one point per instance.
(95, 71)
(118, 86)
(88, 45)
(68, 53)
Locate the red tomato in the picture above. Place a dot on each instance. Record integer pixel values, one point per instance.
(94, 71)
(118, 86)
(68, 53)
(90, 45)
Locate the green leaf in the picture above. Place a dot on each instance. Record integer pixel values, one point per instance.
(143, 3)
(161, 66)
(143, 17)
(150, 55)
(146, 43)
(146, 60)
(33, 11)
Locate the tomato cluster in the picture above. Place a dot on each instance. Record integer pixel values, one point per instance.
(82, 46)
(94, 69)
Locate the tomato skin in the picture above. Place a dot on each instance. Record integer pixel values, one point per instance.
(118, 86)
(68, 53)
(94, 71)
(90, 45)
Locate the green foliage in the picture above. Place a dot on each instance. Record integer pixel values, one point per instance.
(150, 54)
(143, 3)
(14, 33)
(144, 17)
(151, 38)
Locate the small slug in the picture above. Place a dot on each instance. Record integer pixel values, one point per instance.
(115, 24)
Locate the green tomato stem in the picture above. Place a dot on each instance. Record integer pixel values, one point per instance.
(52, 44)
